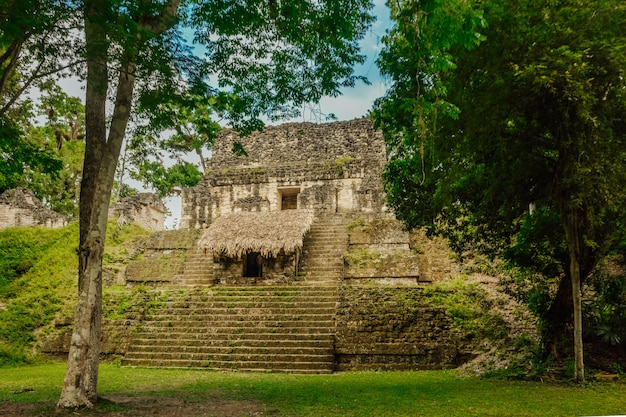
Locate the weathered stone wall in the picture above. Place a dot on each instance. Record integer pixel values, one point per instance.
(301, 143)
(379, 252)
(394, 328)
(20, 207)
(335, 167)
(145, 210)
(163, 259)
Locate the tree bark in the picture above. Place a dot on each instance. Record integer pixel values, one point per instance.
(81, 378)
(573, 244)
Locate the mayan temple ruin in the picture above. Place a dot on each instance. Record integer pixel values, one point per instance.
(287, 260)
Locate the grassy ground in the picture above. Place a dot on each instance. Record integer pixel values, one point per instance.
(31, 391)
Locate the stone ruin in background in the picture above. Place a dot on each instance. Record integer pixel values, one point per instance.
(145, 210)
(20, 207)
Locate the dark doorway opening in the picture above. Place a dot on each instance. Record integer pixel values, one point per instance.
(289, 198)
(253, 265)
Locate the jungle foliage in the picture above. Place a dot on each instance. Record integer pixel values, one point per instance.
(505, 129)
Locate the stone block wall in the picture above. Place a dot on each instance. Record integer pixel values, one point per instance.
(301, 143)
(20, 207)
(390, 328)
(336, 167)
(379, 252)
(163, 258)
(146, 210)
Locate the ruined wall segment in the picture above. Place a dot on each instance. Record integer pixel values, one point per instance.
(333, 167)
(145, 210)
(20, 207)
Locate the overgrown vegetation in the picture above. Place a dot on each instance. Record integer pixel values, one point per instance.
(38, 269)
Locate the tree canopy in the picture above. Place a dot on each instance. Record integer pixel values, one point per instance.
(508, 134)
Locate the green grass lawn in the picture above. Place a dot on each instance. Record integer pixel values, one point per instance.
(423, 393)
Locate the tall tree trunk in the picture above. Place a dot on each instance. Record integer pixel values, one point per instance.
(101, 156)
(570, 220)
(81, 378)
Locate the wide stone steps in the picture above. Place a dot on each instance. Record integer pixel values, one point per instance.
(197, 269)
(252, 314)
(243, 365)
(279, 329)
(293, 360)
(228, 322)
(253, 301)
(219, 309)
(245, 339)
(184, 351)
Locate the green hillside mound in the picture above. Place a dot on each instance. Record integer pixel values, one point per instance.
(38, 278)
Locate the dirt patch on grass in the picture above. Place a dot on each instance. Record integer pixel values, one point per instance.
(144, 406)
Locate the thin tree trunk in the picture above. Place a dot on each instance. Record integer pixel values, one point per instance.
(573, 244)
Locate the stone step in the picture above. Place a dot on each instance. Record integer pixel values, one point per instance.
(325, 236)
(322, 253)
(244, 366)
(238, 327)
(281, 309)
(309, 339)
(231, 356)
(269, 341)
(198, 269)
(318, 302)
(201, 325)
(295, 301)
(221, 293)
(190, 282)
(234, 290)
(326, 271)
(165, 351)
(252, 316)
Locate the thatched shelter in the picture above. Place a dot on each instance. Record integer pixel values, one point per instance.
(268, 233)
(257, 245)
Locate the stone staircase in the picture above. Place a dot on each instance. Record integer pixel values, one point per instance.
(277, 329)
(282, 328)
(323, 249)
(197, 269)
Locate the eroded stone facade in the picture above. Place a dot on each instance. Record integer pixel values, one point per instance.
(334, 167)
(20, 207)
(146, 210)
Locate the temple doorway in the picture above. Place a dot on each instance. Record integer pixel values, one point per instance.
(253, 267)
(289, 198)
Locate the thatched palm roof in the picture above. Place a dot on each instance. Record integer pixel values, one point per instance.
(269, 233)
